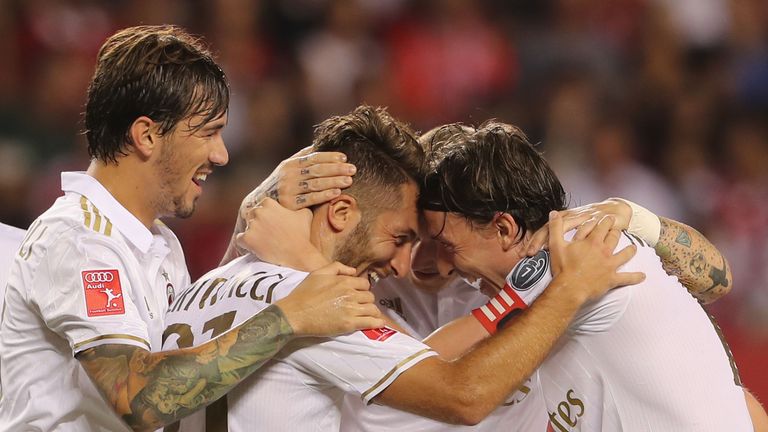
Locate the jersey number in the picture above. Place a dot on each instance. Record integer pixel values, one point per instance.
(218, 325)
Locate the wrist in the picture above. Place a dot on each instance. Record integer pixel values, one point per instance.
(287, 327)
(644, 223)
(572, 290)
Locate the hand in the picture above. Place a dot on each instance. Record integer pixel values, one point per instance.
(586, 217)
(304, 180)
(587, 262)
(331, 301)
(280, 236)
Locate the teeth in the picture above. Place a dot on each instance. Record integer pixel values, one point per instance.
(201, 177)
(373, 278)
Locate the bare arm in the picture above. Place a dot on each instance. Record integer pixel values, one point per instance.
(301, 181)
(468, 389)
(149, 390)
(696, 262)
(684, 252)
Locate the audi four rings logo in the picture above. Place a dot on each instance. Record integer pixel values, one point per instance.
(95, 277)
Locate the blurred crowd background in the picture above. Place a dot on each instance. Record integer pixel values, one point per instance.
(664, 102)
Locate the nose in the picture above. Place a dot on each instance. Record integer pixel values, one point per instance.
(444, 262)
(218, 155)
(401, 262)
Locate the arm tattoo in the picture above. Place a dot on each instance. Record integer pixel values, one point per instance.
(687, 254)
(149, 390)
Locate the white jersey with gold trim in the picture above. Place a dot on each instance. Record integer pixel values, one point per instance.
(87, 273)
(641, 358)
(10, 240)
(303, 386)
(422, 313)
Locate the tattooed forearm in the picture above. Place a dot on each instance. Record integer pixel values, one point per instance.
(149, 390)
(687, 254)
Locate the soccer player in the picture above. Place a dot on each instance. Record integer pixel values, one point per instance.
(88, 291)
(639, 358)
(371, 226)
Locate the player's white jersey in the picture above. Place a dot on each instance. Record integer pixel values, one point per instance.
(422, 313)
(641, 358)
(87, 273)
(10, 240)
(303, 386)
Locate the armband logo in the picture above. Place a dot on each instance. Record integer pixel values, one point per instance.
(103, 293)
(379, 334)
(529, 271)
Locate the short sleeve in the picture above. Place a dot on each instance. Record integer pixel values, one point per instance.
(364, 362)
(84, 289)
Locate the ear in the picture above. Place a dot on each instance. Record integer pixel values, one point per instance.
(343, 213)
(144, 136)
(506, 230)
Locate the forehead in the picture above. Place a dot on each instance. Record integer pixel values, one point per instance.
(444, 225)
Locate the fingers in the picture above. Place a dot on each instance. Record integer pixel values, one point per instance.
(324, 183)
(601, 230)
(337, 268)
(585, 229)
(572, 220)
(309, 159)
(537, 240)
(326, 170)
(556, 241)
(364, 323)
(303, 201)
(612, 239)
(623, 256)
(630, 278)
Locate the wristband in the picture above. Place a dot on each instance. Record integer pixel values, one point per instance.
(644, 223)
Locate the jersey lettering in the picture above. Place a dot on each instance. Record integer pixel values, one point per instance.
(568, 412)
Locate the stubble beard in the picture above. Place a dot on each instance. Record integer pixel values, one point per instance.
(354, 250)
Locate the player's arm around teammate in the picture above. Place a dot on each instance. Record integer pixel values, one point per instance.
(149, 390)
(684, 252)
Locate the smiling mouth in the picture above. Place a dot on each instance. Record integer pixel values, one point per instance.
(199, 178)
(373, 277)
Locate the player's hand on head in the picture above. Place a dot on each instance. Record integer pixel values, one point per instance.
(588, 261)
(331, 301)
(303, 180)
(586, 218)
(278, 235)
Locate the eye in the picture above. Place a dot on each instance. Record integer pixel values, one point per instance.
(401, 240)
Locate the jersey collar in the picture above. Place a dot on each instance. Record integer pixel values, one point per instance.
(131, 228)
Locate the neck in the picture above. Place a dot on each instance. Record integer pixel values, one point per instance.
(129, 184)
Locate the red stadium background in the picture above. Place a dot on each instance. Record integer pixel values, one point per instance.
(664, 102)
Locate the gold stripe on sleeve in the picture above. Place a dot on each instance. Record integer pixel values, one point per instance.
(394, 369)
(97, 223)
(112, 336)
(108, 229)
(84, 206)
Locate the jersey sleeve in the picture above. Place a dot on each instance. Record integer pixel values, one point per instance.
(364, 362)
(85, 293)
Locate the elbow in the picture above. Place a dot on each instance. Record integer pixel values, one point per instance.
(471, 406)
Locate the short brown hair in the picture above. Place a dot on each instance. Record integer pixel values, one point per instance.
(383, 149)
(161, 72)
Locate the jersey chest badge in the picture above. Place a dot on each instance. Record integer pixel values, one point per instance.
(103, 293)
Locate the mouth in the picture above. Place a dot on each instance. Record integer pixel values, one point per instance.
(374, 277)
(199, 178)
(425, 275)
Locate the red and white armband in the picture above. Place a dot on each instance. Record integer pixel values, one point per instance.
(524, 284)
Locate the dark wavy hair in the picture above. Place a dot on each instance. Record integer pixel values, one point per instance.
(161, 72)
(478, 172)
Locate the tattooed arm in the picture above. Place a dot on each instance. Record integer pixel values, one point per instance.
(687, 254)
(303, 180)
(684, 252)
(149, 390)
